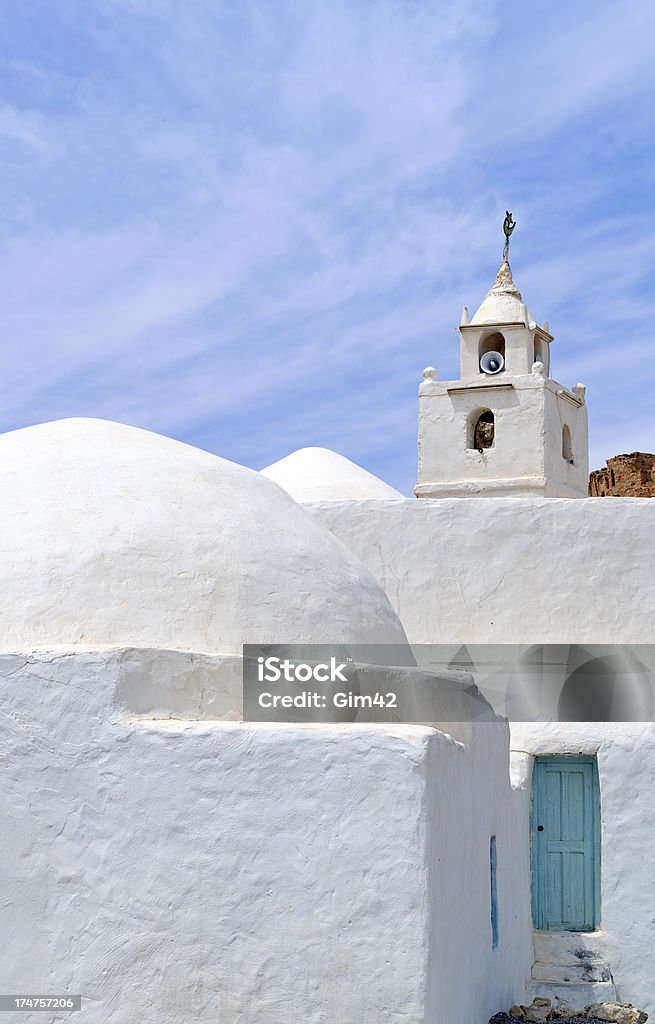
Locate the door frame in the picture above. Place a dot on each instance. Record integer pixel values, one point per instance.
(537, 872)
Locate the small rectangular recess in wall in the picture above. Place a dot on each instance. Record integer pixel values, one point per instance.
(494, 893)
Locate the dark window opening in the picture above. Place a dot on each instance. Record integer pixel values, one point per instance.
(484, 431)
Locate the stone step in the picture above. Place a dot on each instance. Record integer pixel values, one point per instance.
(575, 994)
(587, 971)
(569, 947)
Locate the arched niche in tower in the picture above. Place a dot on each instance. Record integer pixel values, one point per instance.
(567, 448)
(481, 429)
(494, 342)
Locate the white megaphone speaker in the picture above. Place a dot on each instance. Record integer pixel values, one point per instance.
(492, 362)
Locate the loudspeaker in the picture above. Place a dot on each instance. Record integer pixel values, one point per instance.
(492, 362)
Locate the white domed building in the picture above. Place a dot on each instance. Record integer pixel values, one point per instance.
(318, 474)
(116, 536)
(161, 857)
(170, 861)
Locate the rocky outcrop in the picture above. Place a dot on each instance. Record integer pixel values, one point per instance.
(625, 476)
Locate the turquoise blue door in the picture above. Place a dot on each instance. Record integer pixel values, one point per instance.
(565, 844)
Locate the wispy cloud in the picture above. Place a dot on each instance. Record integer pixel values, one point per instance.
(251, 225)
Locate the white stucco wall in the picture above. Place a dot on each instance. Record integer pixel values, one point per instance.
(470, 980)
(526, 457)
(531, 570)
(560, 410)
(215, 871)
(518, 570)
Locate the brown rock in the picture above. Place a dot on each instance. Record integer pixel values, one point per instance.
(625, 476)
(616, 1013)
(517, 1012)
(537, 1014)
(563, 1011)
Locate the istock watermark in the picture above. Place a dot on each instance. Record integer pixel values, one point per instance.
(436, 683)
(338, 687)
(273, 669)
(321, 683)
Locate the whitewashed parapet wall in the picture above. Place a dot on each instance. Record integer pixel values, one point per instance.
(517, 570)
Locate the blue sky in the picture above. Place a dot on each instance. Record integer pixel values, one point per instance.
(251, 224)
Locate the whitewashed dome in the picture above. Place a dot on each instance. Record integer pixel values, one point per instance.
(115, 536)
(319, 474)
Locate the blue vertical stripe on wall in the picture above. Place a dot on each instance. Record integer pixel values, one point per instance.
(494, 893)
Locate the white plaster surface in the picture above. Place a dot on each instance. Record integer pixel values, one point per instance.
(318, 474)
(530, 412)
(219, 872)
(521, 570)
(470, 980)
(114, 535)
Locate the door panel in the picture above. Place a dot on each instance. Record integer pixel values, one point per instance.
(565, 843)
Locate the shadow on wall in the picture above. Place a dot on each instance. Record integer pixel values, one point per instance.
(555, 682)
(575, 683)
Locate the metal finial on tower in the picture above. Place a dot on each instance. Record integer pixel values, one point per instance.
(508, 227)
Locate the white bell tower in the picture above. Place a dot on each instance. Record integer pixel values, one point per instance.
(505, 427)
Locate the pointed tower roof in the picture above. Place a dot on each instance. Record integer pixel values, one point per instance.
(503, 303)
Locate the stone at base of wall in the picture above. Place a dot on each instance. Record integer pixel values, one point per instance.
(541, 1010)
